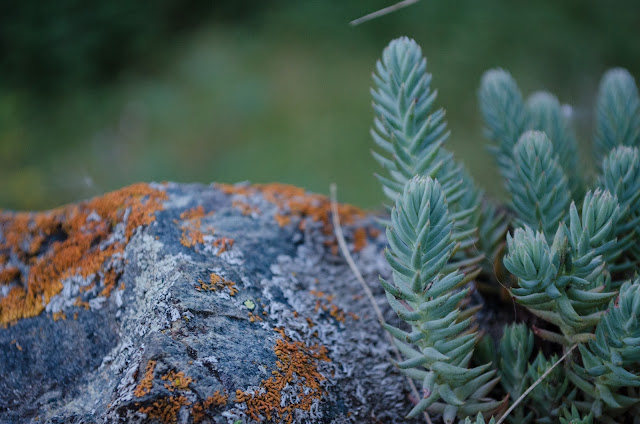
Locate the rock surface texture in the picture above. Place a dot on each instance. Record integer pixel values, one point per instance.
(193, 304)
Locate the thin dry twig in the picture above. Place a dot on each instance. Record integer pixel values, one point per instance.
(382, 12)
(347, 256)
(538, 381)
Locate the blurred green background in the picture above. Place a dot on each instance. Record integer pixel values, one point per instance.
(97, 95)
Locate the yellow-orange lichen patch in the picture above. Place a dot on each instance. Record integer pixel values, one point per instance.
(165, 409)
(82, 303)
(199, 409)
(223, 244)
(244, 207)
(295, 201)
(325, 303)
(253, 317)
(144, 387)
(298, 367)
(8, 275)
(71, 240)
(282, 220)
(310, 322)
(217, 283)
(359, 239)
(15, 342)
(192, 233)
(176, 381)
(57, 316)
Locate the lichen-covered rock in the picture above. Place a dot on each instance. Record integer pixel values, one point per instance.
(193, 304)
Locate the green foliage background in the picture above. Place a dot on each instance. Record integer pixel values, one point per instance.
(97, 96)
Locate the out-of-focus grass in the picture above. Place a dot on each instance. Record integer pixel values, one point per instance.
(284, 97)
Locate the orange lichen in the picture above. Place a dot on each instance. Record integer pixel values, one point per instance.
(176, 381)
(217, 283)
(82, 303)
(223, 244)
(109, 282)
(166, 409)
(254, 318)
(15, 342)
(359, 239)
(244, 207)
(199, 409)
(144, 387)
(71, 240)
(192, 233)
(297, 366)
(282, 220)
(8, 275)
(295, 201)
(325, 304)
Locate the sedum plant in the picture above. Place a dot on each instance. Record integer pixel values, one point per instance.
(566, 245)
(479, 420)
(573, 416)
(420, 246)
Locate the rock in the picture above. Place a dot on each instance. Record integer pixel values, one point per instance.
(193, 304)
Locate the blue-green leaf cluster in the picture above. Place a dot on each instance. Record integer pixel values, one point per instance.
(565, 283)
(479, 420)
(410, 133)
(612, 361)
(504, 114)
(547, 398)
(539, 188)
(516, 346)
(573, 416)
(617, 112)
(439, 346)
(621, 176)
(546, 114)
(507, 117)
(568, 250)
(492, 223)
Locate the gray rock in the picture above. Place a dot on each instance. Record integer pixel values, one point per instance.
(241, 311)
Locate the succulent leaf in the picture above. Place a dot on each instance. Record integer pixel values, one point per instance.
(617, 112)
(539, 188)
(546, 114)
(504, 115)
(573, 416)
(547, 397)
(621, 176)
(565, 283)
(479, 420)
(428, 301)
(410, 133)
(516, 347)
(611, 361)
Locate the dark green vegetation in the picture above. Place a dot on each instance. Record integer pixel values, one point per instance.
(571, 265)
(183, 91)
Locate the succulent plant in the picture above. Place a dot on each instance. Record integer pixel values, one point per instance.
(569, 254)
(439, 346)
